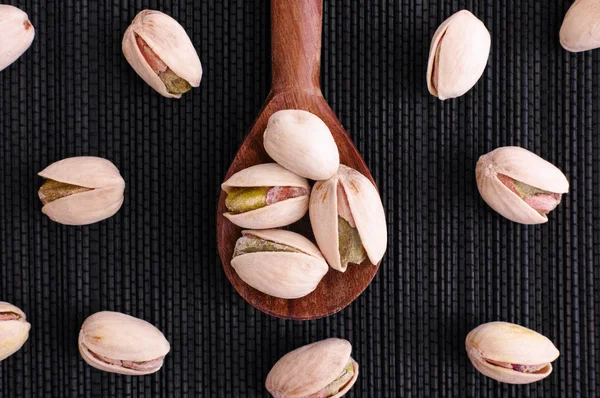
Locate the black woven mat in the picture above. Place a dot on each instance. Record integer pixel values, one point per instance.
(452, 263)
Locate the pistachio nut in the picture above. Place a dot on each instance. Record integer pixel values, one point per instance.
(279, 263)
(16, 33)
(579, 31)
(158, 49)
(14, 329)
(301, 142)
(348, 219)
(265, 196)
(458, 55)
(520, 185)
(510, 353)
(81, 190)
(323, 369)
(119, 343)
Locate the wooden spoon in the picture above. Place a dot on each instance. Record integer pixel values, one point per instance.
(296, 45)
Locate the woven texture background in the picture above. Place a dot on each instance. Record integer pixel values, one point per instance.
(452, 263)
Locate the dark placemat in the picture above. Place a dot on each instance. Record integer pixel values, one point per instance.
(452, 263)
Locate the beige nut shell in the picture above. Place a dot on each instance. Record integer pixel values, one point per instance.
(16, 34)
(285, 275)
(13, 333)
(580, 30)
(167, 38)
(458, 55)
(103, 201)
(521, 165)
(311, 368)
(509, 343)
(277, 214)
(365, 206)
(121, 337)
(302, 143)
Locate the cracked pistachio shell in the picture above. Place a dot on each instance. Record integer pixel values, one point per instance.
(301, 142)
(310, 369)
(511, 344)
(16, 34)
(121, 337)
(274, 215)
(524, 166)
(169, 41)
(102, 201)
(14, 332)
(458, 55)
(285, 275)
(366, 208)
(580, 30)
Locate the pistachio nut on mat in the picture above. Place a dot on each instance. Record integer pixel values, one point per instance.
(348, 219)
(279, 263)
(16, 34)
(458, 55)
(119, 343)
(510, 353)
(302, 143)
(14, 329)
(519, 184)
(265, 196)
(81, 190)
(323, 369)
(579, 31)
(160, 51)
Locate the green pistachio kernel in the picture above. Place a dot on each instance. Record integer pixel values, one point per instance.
(525, 190)
(241, 200)
(251, 244)
(351, 248)
(174, 83)
(540, 200)
(338, 384)
(52, 190)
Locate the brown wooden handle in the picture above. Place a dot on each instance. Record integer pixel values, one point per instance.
(296, 27)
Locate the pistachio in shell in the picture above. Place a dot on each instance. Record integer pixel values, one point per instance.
(119, 343)
(458, 55)
(160, 51)
(323, 369)
(81, 190)
(579, 30)
(510, 353)
(348, 219)
(14, 329)
(16, 34)
(520, 185)
(302, 143)
(265, 196)
(279, 263)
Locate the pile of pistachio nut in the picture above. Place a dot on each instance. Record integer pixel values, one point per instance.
(345, 209)
(346, 213)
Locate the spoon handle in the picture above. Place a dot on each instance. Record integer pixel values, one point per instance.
(296, 44)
